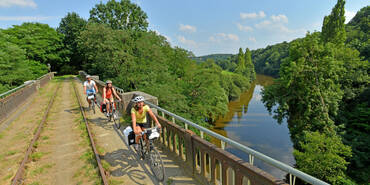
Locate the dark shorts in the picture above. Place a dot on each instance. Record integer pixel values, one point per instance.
(143, 125)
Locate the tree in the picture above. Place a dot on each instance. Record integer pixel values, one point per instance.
(71, 26)
(323, 156)
(333, 29)
(120, 15)
(241, 68)
(41, 43)
(251, 74)
(15, 68)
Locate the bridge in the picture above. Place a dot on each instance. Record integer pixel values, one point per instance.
(48, 137)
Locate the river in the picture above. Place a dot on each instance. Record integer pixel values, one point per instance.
(248, 122)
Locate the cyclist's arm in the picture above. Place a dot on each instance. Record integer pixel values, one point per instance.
(115, 94)
(133, 118)
(84, 89)
(104, 94)
(96, 88)
(154, 117)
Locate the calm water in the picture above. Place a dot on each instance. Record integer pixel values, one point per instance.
(249, 123)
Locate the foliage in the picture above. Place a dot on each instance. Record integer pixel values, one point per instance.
(323, 156)
(333, 29)
(15, 68)
(71, 26)
(322, 88)
(120, 15)
(306, 92)
(267, 60)
(251, 73)
(358, 32)
(146, 62)
(41, 43)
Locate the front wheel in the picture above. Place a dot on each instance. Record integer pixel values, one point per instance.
(93, 106)
(116, 119)
(156, 164)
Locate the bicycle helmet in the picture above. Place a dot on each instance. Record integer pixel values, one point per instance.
(138, 99)
(108, 82)
(88, 76)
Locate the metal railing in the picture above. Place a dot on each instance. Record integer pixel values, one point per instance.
(293, 173)
(15, 89)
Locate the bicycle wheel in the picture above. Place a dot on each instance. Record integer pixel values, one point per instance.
(116, 119)
(93, 106)
(156, 164)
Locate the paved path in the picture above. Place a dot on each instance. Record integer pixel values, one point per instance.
(124, 166)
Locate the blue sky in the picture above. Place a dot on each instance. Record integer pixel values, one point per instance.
(201, 26)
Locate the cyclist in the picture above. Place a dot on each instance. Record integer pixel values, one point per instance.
(138, 116)
(108, 90)
(90, 87)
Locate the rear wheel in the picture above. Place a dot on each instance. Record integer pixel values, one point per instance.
(156, 164)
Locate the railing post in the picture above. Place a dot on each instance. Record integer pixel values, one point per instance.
(202, 134)
(223, 145)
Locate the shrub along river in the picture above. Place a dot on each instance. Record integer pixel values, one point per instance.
(249, 123)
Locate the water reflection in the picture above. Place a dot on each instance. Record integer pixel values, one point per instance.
(249, 123)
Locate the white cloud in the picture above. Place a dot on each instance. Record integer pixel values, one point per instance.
(279, 18)
(244, 28)
(185, 41)
(218, 37)
(24, 18)
(22, 3)
(349, 15)
(252, 39)
(187, 28)
(253, 15)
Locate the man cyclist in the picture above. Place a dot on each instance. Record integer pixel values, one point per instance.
(90, 87)
(108, 92)
(138, 116)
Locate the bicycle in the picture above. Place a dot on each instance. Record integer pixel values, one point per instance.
(113, 114)
(91, 99)
(150, 153)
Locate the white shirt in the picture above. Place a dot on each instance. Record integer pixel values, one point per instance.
(89, 86)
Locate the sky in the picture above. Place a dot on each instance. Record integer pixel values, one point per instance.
(201, 26)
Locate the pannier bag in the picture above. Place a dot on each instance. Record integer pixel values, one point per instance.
(129, 135)
(103, 107)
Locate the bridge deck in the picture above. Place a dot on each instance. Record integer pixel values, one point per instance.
(124, 165)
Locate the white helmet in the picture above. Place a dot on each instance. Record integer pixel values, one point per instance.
(138, 99)
(88, 76)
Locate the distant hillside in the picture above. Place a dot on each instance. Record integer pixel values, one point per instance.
(215, 57)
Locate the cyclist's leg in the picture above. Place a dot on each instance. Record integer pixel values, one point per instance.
(138, 136)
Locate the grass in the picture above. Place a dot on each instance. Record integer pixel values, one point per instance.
(115, 182)
(8, 176)
(41, 169)
(169, 181)
(90, 168)
(35, 183)
(1, 135)
(37, 155)
(45, 137)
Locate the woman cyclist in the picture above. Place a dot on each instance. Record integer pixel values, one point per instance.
(138, 116)
(108, 90)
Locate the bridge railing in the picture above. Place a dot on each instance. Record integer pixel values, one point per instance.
(208, 163)
(221, 162)
(12, 99)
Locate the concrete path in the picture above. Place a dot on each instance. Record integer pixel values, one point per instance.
(122, 162)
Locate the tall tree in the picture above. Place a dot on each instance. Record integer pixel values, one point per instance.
(71, 26)
(251, 74)
(241, 62)
(333, 29)
(120, 15)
